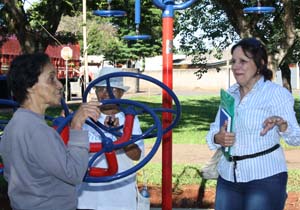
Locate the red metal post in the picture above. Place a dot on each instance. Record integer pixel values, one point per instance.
(167, 117)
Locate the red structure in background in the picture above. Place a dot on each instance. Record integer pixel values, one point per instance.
(168, 7)
(11, 48)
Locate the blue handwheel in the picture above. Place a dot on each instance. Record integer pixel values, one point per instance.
(110, 145)
(62, 122)
(176, 111)
(154, 131)
(2, 77)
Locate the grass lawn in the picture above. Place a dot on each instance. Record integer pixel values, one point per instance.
(190, 175)
(197, 114)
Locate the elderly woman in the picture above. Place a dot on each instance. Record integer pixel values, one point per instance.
(255, 175)
(41, 170)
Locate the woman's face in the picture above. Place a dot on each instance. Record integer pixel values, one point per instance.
(244, 68)
(48, 90)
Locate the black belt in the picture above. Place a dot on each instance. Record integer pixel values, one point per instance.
(234, 159)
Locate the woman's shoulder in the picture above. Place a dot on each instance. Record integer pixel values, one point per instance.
(277, 90)
(276, 87)
(27, 117)
(26, 122)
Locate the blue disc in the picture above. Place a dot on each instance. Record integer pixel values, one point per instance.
(136, 37)
(259, 9)
(110, 13)
(2, 77)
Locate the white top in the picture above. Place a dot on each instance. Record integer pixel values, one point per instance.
(116, 195)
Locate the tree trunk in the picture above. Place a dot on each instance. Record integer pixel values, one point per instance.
(286, 76)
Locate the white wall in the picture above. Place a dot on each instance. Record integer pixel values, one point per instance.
(295, 76)
(187, 80)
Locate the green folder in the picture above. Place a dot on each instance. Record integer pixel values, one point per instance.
(227, 103)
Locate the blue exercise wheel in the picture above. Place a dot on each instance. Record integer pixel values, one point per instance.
(133, 108)
(2, 77)
(175, 110)
(108, 146)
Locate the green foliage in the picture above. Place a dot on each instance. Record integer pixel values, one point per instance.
(35, 25)
(102, 38)
(105, 34)
(150, 24)
(203, 23)
(216, 24)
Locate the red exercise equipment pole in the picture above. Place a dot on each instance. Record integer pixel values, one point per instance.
(166, 116)
(168, 7)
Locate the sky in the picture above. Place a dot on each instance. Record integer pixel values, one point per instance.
(28, 3)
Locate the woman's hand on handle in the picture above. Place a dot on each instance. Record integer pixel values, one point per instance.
(86, 110)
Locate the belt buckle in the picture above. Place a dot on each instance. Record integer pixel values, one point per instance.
(231, 158)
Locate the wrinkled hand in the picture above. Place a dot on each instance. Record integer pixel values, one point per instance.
(224, 138)
(86, 110)
(270, 122)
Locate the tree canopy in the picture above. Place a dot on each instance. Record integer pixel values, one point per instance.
(150, 24)
(37, 27)
(219, 23)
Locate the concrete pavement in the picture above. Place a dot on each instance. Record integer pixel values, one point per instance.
(200, 154)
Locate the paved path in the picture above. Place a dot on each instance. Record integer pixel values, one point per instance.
(200, 154)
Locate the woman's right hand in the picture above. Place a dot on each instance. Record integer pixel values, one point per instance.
(224, 138)
(86, 110)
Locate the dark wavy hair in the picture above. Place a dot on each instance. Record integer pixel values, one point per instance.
(24, 72)
(255, 50)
